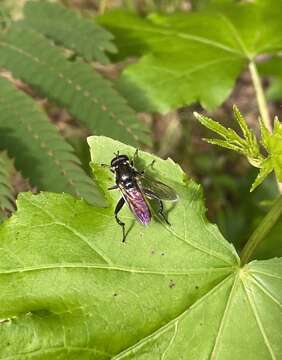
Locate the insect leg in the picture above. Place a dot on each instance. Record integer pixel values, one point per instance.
(135, 156)
(151, 195)
(117, 210)
(148, 166)
(133, 162)
(114, 187)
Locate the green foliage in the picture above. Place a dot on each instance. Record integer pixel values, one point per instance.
(40, 152)
(248, 144)
(183, 296)
(47, 50)
(195, 56)
(272, 143)
(65, 27)
(88, 97)
(7, 193)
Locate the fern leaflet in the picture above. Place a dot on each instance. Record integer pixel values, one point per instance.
(7, 193)
(69, 29)
(40, 152)
(87, 95)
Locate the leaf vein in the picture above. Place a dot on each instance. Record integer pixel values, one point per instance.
(265, 290)
(224, 317)
(171, 323)
(258, 320)
(76, 233)
(114, 268)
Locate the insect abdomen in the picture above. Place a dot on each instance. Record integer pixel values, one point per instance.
(138, 206)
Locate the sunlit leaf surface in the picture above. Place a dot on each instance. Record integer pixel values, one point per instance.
(195, 56)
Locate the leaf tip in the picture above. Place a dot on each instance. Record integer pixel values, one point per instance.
(235, 108)
(197, 115)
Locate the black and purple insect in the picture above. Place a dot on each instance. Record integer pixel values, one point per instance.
(137, 188)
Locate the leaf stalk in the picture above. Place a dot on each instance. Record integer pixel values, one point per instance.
(262, 230)
(262, 104)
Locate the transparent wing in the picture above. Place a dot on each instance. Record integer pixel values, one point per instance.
(163, 191)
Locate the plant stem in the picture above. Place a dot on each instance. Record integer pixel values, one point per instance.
(262, 230)
(263, 109)
(102, 6)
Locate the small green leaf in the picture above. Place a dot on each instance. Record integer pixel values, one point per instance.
(215, 126)
(224, 144)
(275, 148)
(247, 132)
(265, 135)
(247, 145)
(265, 169)
(272, 142)
(231, 137)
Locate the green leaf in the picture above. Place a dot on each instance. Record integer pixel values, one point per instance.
(40, 152)
(264, 171)
(195, 56)
(273, 145)
(75, 85)
(247, 132)
(211, 327)
(265, 134)
(172, 292)
(275, 148)
(247, 145)
(227, 134)
(69, 29)
(7, 193)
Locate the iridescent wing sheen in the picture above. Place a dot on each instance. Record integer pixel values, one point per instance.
(137, 204)
(161, 190)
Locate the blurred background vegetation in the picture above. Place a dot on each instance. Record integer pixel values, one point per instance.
(226, 176)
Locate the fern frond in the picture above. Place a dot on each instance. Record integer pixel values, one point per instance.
(40, 152)
(7, 193)
(87, 95)
(69, 29)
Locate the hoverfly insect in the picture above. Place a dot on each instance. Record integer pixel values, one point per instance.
(137, 188)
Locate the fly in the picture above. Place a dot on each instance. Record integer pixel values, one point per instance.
(136, 188)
